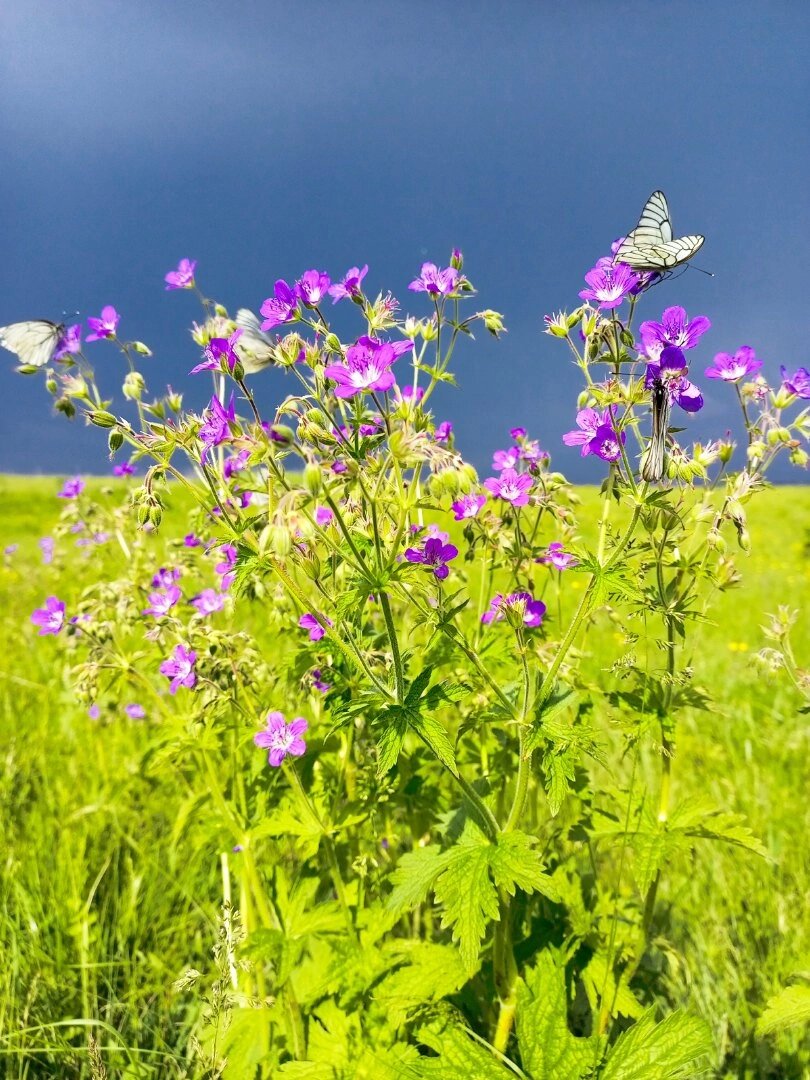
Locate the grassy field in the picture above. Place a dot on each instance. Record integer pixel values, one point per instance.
(104, 899)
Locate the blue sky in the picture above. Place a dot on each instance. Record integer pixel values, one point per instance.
(263, 139)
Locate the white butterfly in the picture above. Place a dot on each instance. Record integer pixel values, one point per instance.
(255, 348)
(650, 245)
(33, 342)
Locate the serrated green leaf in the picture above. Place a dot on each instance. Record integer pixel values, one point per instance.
(390, 741)
(430, 973)
(436, 738)
(599, 981)
(515, 864)
(414, 877)
(789, 1008)
(307, 1070)
(468, 897)
(548, 1050)
(417, 687)
(559, 775)
(666, 1051)
(459, 1057)
(246, 1042)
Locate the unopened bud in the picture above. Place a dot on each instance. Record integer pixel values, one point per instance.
(220, 310)
(457, 259)
(332, 343)
(27, 369)
(799, 457)
(50, 385)
(65, 405)
(313, 478)
(115, 440)
(276, 538)
(101, 418)
(141, 349)
(134, 386)
(493, 321)
(238, 371)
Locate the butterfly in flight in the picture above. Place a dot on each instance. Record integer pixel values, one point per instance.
(255, 348)
(650, 245)
(33, 342)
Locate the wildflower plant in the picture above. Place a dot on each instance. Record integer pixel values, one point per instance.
(463, 826)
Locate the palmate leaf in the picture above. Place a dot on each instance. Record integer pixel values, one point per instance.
(430, 972)
(460, 1057)
(464, 880)
(789, 1008)
(548, 1050)
(246, 1041)
(676, 1048)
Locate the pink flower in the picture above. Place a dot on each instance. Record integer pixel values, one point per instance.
(180, 668)
(281, 307)
(434, 281)
(183, 276)
(315, 627)
(556, 557)
(510, 486)
(72, 488)
(312, 286)
(467, 506)
(104, 327)
(162, 601)
(51, 618)
(281, 738)
(367, 367)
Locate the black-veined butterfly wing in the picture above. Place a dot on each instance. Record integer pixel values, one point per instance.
(652, 464)
(33, 342)
(650, 246)
(254, 347)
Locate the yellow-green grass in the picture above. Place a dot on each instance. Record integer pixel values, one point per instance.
(102, 907)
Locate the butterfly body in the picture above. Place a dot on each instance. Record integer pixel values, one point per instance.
(652, 465)
(255, 348)
(651, 246)
(33, 342)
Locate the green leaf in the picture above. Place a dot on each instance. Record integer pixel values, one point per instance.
(789, 1008)
(246, 1042)
(460, 1058)
(468, 896)
(430, 973)
(599, 981)
(307, 1070)
(548, 1050)
(417, 687)
(515, 864)
(390, 741)
(414, 877)
(665, 1051)
(436, 738)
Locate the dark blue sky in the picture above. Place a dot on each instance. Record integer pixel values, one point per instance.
(266, 138)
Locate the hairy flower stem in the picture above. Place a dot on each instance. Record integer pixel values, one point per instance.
(385, 604)
(506, 973)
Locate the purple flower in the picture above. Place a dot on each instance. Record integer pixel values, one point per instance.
(609, 284)
(191, 541)
(216, 426)
(671, 369)
(408, 392)
(556, 557)
(316, 630)
(312, 287)
(281, 738)
(317, 681)
(217, 350)
(208, 601)
(517, 432)
(69, 342)
(350, 285)
(51, 618)
(226, 567)
(236, 463)
(166, 577)
(367, 367)
(9, 549)
(443, 432)
(733, 368)
(530, 451)
(467, 506)
(180, 668)
(94, 712)
(505, 459)
(135, 711)
(281, 307)
(104, 327)
(124, 469)
(596, 435)
(324, 516)
(435, 554)
(510, 486)
(532, 611)
(46, 546)
(674, 329)
(183, 276)
(72, 488)
(798, 384)
(161, 601)
(434, 281)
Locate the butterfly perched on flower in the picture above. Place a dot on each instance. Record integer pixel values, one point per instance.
(33, 342)
(650, 246)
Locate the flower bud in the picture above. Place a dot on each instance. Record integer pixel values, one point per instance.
(276, 538)
(493, 321)
(238, 371)
(332, 343)
(221, 311)
(781, 398)
(27, 369)
(65, 405)
(155, 516)
(115, 440)
(134, 386)
(282, 435)
(311, 565)
(429, 330)
(141, 349)
(582, 399)
(457, 259)
(50, 385)
(313, 478)
(744, 540)
(101, 418)
(799, 457)
(627, 338)
(715, 541)
(725, 450)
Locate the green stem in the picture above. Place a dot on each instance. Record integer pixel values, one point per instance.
(392, 638)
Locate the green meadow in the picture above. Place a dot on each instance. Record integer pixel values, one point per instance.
(108, 893)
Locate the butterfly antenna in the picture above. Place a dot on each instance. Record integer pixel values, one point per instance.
(700, 270)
